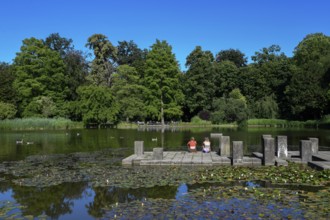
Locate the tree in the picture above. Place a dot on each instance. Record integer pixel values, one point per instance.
(129, 93)
(105, 56)
(226, 77)
(265, 108)
(130, 54)
(7, 77)
(75, 61)
(307, 91)
(60, 44)
(231, 109)
(235, 56)
(97, 104)
(7, 110)
(199, 85)
(39, 72)
(162, 76)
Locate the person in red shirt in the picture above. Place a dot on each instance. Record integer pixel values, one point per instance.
(192, 145)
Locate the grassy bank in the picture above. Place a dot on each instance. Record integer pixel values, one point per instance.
(39, 124)
(275, 123)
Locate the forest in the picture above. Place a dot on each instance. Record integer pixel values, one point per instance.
(49, 78)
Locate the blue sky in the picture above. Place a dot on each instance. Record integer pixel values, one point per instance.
(247, 25)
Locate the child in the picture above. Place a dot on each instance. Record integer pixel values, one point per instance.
(192, 145)
(206, 145)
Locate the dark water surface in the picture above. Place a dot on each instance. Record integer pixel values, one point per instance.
(55, 142)
(81, 200)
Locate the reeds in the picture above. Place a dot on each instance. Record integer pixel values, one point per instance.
(39, 124)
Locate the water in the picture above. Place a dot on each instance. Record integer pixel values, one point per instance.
(58, 142)
(82, 201)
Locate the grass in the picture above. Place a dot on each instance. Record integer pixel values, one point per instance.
(275, 123)
(39, 124)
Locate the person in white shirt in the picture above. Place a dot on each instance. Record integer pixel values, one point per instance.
(206, 145)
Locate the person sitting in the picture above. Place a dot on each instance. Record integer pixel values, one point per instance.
(192, 145)
(206, 145)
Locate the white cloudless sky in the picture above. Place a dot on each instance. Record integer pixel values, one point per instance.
(215, 25)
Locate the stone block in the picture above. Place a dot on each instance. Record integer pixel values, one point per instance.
(305, 148)
(157, 153)
(268, 151)
(237, 152)
(315, 145)
(138, 148)
(282, 146)
(225, 146)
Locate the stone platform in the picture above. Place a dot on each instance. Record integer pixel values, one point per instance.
(321, 160)
(187, 158)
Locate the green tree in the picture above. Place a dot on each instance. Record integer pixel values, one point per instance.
(266, 108)
(7, 77)
(307, 92)
(231, 109)
(130, 54)
(129, 93)
(235, 56)
(75, 61)
(7, 110)
(198, 82)
(105, 56)
(39, 72)
(226, 77)
(97, 104)
(162, 76)
(60, 44)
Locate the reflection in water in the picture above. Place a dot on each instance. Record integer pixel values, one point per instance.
(81, 201)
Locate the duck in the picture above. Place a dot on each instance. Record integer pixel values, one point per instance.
(19, 141)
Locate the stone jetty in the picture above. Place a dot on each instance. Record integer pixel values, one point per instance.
(274, 153)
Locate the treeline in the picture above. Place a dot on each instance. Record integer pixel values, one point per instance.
(49, 78)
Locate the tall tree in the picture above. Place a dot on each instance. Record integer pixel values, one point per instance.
(39, 72)
(60, 44)
(199, 85)
(97, 104)
(7, 77)
(130, 54)
(129, 93)
(307, 92)
(235, 56)
(105, 56)
(162, 76)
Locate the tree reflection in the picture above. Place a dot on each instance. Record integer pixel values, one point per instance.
(106, 196)
(53, 201)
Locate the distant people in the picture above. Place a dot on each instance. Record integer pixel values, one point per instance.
(192, 145)
(206, 145)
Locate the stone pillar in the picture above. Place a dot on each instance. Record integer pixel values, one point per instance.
(157, 153)
(225, 146)
(139, 148)
(218, 137)
(282, 146)
(305, 148)
(268, 151)
(315, 145)
(237, 153)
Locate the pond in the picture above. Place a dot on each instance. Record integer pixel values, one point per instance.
(77, 174)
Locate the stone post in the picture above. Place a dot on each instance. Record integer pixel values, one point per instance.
(315, 145)
(225, 146)
(237, 153)
(139, 148)
(218, 137)
(305, 148)
(157, 153)
(282, 146)
(268, 151)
